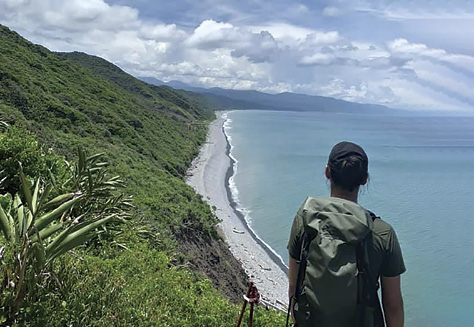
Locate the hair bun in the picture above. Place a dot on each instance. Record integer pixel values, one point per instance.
(349, 172)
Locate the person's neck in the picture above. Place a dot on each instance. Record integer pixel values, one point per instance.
(344, 194)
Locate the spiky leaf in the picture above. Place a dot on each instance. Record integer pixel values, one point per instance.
(59, 199)
(48, 218)
(5, 224)
(47, 232)
(34, 199)
(20, 215)
(26, 189)
(74, 236)
(82, 160)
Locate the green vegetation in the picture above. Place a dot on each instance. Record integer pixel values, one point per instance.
(38, 231)
(148, 140)
(141, 273)
(136, 287)
(17, 145)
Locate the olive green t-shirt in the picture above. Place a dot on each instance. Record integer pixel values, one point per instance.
(385, 255)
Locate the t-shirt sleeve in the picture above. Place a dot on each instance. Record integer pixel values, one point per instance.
(393, 264)
(296, 235)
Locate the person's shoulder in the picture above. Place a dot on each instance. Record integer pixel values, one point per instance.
(382, 227)
(383, 230)
(386, 240)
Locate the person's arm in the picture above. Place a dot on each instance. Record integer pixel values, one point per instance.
(294, 249)
(292, 277)
(392, 301)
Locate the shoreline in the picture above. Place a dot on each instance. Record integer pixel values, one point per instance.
(209, 175)
(229, 174)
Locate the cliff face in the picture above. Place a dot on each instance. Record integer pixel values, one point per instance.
(149, 134)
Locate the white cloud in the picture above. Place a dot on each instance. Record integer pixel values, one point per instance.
(464, 62)
(401, 48)
(184, 68)
(257, 47)
(161, 32)
(448, 83)
(93, 26)
(318, 59)
(75, 15)
(331, 12)
(364, 92)
(422, 13)
(322, 38)
(211, 34)
(283, 31)
(406, 49)
(413, 95)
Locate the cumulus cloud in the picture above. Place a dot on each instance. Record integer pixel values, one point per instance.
(403, 48)
(318, 59)
(161, 32)
(257, 47)
(322, 38)
(211, 35)
(364, 92)
(284, 31)
(322, 49)
(330, 48)
(72, 15)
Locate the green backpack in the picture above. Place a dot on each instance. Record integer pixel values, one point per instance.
(333, 286)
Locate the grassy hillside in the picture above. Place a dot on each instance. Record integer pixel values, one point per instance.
(149, 135)
(71, 101)
(146, 138)
(186, 104)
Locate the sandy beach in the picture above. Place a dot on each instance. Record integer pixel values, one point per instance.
(209, 176)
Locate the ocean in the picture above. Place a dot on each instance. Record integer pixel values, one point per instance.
(421, 182)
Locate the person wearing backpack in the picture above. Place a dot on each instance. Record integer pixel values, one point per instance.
(339, 252)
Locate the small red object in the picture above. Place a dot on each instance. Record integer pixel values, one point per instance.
(252, 297)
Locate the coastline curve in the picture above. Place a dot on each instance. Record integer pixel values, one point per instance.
(239, 211)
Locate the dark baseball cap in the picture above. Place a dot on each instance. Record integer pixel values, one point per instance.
(344, 150)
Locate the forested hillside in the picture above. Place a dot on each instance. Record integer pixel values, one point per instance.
(149, 135)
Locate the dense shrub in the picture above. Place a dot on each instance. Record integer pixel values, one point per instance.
(36, 232)
(17, 145)
(136, 286)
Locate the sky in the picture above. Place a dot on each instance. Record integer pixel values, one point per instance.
(402, 54)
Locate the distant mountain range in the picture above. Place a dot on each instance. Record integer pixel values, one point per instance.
(240, 99)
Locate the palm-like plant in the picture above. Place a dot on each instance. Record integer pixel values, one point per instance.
(38, 231)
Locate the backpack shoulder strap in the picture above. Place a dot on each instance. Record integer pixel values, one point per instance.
(307, 238)
(367, 294)
(363, 258)
(373, 215)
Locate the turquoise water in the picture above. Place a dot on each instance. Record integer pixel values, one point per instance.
(421, 182)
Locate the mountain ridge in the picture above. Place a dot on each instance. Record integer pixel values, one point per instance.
(252, 99)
